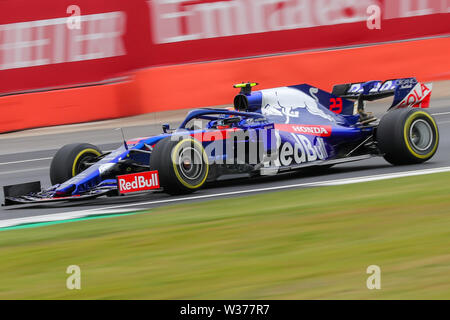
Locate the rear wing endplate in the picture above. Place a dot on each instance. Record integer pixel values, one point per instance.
(407, 92)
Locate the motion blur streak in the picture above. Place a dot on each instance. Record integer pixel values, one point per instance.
(119, 208)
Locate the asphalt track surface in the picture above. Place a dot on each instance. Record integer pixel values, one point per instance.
(28, 158)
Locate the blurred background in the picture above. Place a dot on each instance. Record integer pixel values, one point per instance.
(72, 61)
(65, 62)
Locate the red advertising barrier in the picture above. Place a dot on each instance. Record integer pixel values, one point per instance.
(209, 84)
(47, 43)
(66, 106)
(43, 45)
(56, 44)
(189, 31)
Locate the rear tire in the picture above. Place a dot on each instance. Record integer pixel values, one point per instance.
(407, 136)
(67, 162)
(182, 164)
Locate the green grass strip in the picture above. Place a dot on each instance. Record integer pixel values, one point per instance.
(50, 223)
(299, 244)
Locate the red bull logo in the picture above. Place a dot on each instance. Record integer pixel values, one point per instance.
(137, 182)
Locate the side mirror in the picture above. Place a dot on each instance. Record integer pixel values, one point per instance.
(166, 128)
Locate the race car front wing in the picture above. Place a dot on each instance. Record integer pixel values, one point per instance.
(31, 192)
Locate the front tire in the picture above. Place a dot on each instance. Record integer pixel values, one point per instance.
(182, 164)
(68, 161)
(407, 136)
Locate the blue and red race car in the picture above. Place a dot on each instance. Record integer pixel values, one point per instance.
(268, 132)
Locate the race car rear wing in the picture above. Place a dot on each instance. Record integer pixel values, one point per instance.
(407, 92)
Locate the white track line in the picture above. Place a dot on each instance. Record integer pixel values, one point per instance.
(121, 208)
(54, 217)
(440, 114)
(34, 160)
(24, 170)
(23, 161)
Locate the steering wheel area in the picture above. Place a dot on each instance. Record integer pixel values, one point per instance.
(225, 123)
(214, 119)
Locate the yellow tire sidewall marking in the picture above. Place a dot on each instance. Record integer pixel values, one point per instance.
(82, 152)
(174, 163)
(407, 127)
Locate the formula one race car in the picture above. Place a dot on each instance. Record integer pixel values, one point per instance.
(268, 132)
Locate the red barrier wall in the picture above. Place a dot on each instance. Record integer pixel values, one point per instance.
(42, 46)
(211, 30)
(39, 50)
(68, 106)
(209, 84)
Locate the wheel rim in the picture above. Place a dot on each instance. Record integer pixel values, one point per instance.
(82, 162)
(190, 163)
(421, 135)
